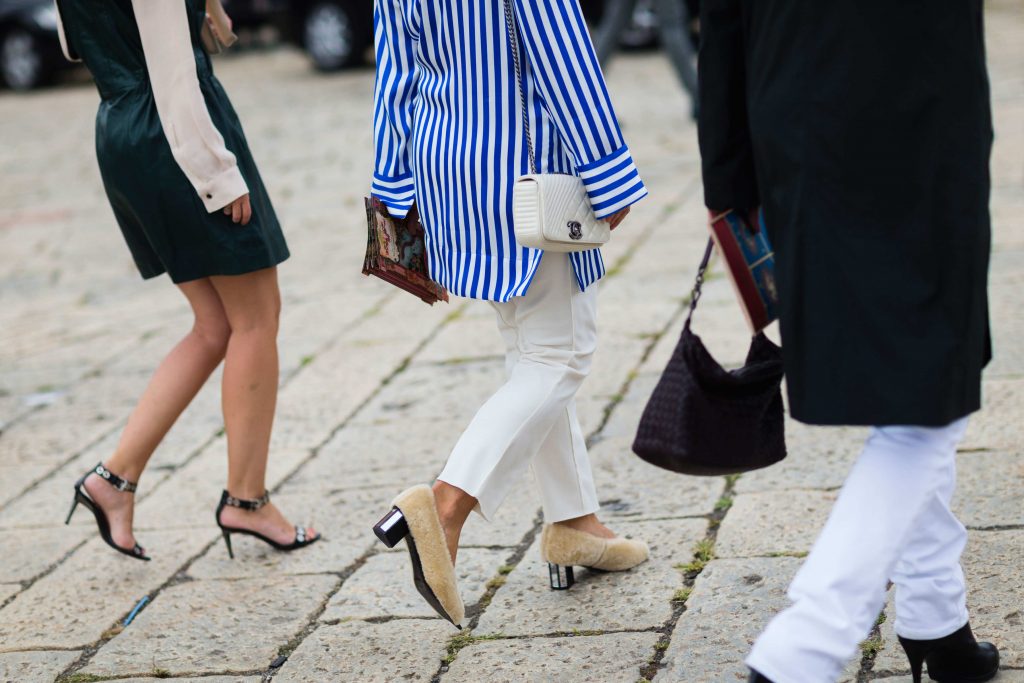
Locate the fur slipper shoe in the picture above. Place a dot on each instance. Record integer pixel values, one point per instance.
(563, 548)
(414, 518)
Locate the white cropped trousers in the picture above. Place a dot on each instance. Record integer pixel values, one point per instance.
(892, 521)
(530, 422)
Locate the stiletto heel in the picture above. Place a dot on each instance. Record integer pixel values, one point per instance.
(956, 658)
(561, 577)
(74, 504)
(227, 542)
(915, 655)
(392, 528)
(102, 523)
(227, 500)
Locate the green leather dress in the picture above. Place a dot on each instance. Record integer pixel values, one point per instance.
(163, 219)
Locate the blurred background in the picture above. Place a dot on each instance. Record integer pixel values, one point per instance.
(334, 34)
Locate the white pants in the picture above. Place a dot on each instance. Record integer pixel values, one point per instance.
(892, 520)
(550, 336)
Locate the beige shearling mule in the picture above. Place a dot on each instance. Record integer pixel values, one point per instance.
(414, 518)
(563, 548)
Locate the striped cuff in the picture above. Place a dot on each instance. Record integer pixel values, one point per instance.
(398, 193)
(612, 183)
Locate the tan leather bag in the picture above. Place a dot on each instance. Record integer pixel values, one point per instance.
(216, 33)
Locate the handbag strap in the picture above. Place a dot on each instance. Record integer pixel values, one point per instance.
(513, 41)
(699, 284)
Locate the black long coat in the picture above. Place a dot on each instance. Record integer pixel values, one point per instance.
(863, 127)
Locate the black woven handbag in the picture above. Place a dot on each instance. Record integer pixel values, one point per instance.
(703, 419)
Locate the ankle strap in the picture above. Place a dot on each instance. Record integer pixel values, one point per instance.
(114, 480)
(256, 504)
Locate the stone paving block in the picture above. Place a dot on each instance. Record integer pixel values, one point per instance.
(368, 455)
(629, 488)
(91, 590)
(767, 523)
(995, 586)
(214, 626)
(28, 552)
(1004, 676)
(626, 413)
(817, 458)
(731, 602)
(14, 479)
(990, 488)
(472, 335)
(399, 650)
(997, 426)
(34, 667)
(383, 586)
(7, 590)
(637, 599)
(433, 392)
(195, 679)
(97, 406)
(514, 519)
(580, 659)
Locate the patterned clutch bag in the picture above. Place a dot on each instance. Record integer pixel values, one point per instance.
(396, 252)
(750, 261)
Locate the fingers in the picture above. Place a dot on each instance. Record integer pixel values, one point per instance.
(616, 218)
(246, 210)
(236, 210)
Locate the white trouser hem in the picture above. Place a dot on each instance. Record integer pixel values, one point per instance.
(764, 667)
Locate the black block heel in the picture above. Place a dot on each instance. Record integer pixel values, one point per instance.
(392, 528)
(561, 577)
(102, 523)
(227, 500)
(956, 658)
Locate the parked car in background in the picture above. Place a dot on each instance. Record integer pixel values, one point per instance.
(29, 48)
(334, 33)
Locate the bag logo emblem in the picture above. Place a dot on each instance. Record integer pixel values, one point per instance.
(575, 230)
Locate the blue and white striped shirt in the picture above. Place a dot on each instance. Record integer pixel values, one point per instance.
(449, 135)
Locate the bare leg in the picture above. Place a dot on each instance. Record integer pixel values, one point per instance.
(453, 507)
(252, 303)
(175, 383)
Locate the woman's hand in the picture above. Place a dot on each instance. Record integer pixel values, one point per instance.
(239, 210)
(617, 217)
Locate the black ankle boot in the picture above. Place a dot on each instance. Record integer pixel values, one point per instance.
(757, 678)
(956, 658)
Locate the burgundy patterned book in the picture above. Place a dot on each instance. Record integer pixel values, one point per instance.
(396, 252)
(750, 262)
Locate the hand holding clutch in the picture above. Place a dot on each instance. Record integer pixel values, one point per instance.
(217, 33)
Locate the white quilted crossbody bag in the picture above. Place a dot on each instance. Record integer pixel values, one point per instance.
(550, 211)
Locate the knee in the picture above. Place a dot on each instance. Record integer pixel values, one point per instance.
(213, 334)
(262, 321)
(574, 363)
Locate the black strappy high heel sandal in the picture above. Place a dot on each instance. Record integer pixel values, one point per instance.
(227, 500)
(956, 658)
(101, 517)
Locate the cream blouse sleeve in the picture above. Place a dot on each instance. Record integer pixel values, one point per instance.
(197, 145)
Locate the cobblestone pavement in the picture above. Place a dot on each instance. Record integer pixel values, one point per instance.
(376, 388)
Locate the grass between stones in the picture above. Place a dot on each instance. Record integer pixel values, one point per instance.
(870, 648)
(462, 640)
(703, 552)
